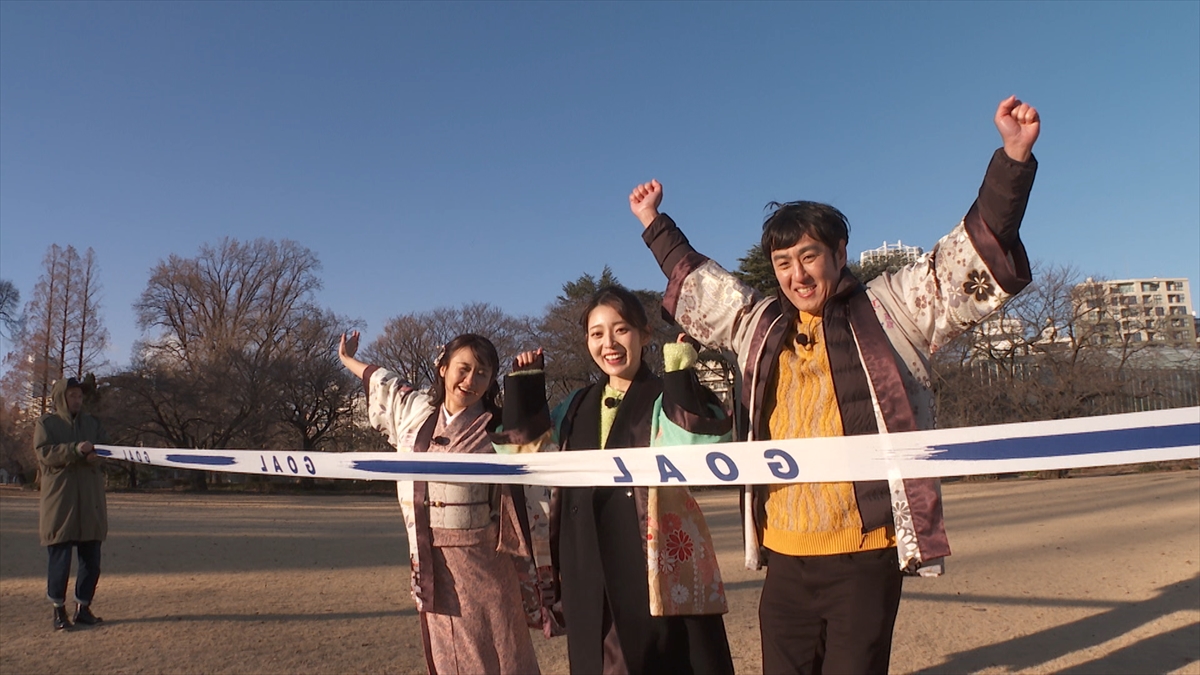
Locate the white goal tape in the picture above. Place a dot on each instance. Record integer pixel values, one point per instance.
(1109, 440)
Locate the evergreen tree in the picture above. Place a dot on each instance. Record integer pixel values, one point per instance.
(754, 269)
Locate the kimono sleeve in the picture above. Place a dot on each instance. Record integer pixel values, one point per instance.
(526, 427)
(708, 302)
(971, 272)
(687, 413)
(526, 423)
(394, 406)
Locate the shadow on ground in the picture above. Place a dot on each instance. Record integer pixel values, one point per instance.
(1161, 653)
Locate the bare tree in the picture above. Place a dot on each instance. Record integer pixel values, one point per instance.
(67, 309)
(16, 440)
(38, 345)
(10, 319)
(316, 393)
(216, 327)
(1038, 358)
(411, 342)
(63, 334)
(239, 296)
(91, 337)
(407, 347)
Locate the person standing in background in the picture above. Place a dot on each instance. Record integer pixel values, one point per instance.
(73, 512)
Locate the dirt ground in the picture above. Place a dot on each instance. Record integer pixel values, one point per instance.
(1096, 574)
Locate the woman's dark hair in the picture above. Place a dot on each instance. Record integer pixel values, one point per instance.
(624, 302)
(485, 353)
(789, 222)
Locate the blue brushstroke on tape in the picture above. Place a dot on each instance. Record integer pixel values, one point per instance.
(440, 468)
(203, 460)
(1082, 443)
(104, 453)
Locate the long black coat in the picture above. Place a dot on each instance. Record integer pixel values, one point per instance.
(602, 561)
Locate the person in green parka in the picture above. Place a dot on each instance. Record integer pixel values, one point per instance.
(73, 511)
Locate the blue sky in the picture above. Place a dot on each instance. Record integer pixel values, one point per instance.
(435, 154)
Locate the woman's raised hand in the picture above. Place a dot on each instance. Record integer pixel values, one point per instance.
(533, 360)
(348, 346)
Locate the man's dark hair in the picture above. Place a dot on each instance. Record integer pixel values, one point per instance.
(789, 222)
(623, 301)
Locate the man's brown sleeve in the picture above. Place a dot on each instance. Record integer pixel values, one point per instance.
(1004, 196)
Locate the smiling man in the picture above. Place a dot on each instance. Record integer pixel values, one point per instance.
(833, 357)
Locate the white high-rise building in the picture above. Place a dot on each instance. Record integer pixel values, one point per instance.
(905, 253)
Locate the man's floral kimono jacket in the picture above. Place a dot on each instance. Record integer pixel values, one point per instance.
(879, 338)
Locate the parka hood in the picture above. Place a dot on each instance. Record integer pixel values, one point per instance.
(58, 394)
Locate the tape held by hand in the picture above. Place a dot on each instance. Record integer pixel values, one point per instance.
(1109, 440)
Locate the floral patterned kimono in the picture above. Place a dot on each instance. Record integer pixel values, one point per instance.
(888, 329)
(468, 552)
(636, 572)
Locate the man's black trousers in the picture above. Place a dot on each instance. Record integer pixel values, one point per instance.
(829, 614)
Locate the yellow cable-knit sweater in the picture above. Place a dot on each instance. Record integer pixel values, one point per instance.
(811, 518)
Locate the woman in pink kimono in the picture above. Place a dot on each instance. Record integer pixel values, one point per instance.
(465, 544)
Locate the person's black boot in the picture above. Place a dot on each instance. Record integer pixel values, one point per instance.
(83, 615)
(60, 619)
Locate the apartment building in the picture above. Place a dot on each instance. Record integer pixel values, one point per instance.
(1154, 310)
